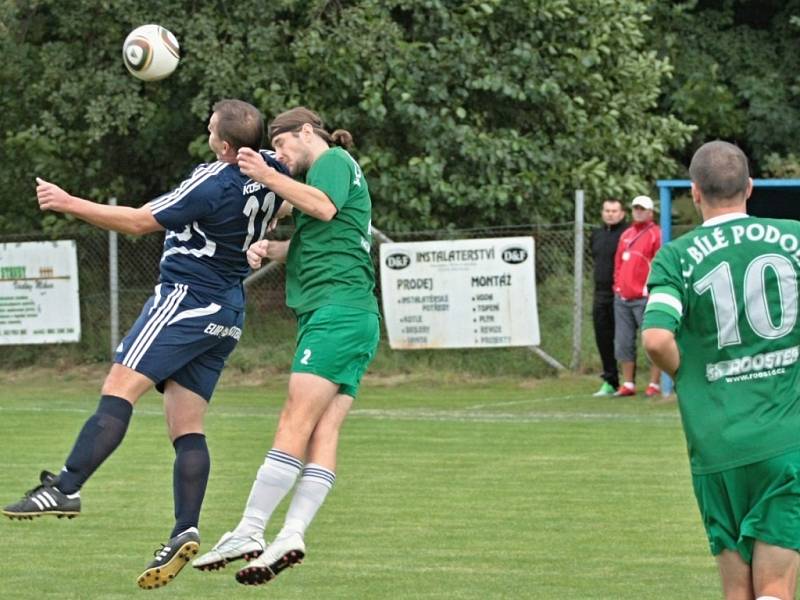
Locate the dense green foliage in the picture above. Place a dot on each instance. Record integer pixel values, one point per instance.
(737, 66)
(464, 113)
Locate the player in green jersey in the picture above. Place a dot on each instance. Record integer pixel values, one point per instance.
(330, 285)
(721, 319)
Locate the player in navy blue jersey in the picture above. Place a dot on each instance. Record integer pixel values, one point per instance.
(185, 332)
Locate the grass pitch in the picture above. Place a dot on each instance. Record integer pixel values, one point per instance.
(445, 489)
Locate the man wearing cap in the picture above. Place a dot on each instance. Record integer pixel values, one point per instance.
(637, 247)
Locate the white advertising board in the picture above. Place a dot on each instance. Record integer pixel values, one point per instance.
(39, 301)
(460, 294)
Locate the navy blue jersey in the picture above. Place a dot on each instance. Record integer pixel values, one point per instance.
(211, 219)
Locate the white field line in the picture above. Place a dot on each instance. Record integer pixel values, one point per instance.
(525, 401)
(469, 414)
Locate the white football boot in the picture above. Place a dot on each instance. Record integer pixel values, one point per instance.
(280, 554)
(230, 548)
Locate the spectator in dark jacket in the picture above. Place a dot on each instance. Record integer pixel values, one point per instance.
(604, 241)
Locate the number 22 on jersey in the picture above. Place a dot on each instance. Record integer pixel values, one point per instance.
(251, 210)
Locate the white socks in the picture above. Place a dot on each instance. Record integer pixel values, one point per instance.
(274, 480)
(311, 491)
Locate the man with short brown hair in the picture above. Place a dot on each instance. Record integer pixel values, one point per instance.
(722, 320)
(185, 332)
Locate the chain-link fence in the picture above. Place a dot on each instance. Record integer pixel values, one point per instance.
(270, 324)
(554, 246)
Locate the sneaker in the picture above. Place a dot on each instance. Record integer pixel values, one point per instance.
(605, 390)
(625, 391)
(652, 390)
(282, 553)
(45, 499)
(230, 548)
(170, 559)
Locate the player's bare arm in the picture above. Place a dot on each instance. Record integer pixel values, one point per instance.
(662, 349)
(305, 198)
(124, 219)
(267, 250)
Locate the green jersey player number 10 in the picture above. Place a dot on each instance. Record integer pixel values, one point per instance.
(719, 281)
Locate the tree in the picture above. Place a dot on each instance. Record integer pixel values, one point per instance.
(736, 75)
(464, 113)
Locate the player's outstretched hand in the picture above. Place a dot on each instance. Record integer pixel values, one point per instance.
(256, 253)
(252, 164)
(52, 197)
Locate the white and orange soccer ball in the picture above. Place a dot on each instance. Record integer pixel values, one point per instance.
(151, 52)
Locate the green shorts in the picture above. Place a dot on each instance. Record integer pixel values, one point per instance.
(337, 343)
(760, 501)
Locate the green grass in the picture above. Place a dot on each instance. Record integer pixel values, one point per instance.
(447, 488)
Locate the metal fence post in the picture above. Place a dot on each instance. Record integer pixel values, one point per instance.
(577, 305)
(113, 286)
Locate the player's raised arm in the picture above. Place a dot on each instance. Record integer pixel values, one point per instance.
(124, 219)
(308, 199)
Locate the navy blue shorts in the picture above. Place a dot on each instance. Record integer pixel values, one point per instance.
(182, 338)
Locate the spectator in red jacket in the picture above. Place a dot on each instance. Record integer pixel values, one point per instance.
(637, 246)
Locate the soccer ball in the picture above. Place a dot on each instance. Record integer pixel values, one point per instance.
(150, 52)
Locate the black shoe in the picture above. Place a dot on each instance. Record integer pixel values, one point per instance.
(45, 499)
(280, 554)
(170, 559)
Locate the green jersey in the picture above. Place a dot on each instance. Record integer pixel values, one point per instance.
(729, 292)
(329, 261)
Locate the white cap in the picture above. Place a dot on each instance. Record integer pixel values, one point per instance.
(643, 201)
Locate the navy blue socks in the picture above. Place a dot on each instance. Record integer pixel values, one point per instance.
(189, 479)
(100, 436)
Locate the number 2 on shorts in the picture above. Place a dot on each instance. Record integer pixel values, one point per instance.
(306, 356)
